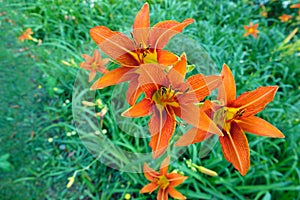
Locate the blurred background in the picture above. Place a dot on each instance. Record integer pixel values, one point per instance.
(40, 149)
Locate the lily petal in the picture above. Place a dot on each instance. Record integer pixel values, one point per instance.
(175, 179)
(88, 59)
(141, 25)
(134, 91)
(161, 126)
(152, 73)
(180, 66)
(194, 135)
(196, 117)
(149, 173)
(92, 75)
(227, 91)
(149, 188)
(236, 149)
(166, 58)
(112, 77)
(115, 44)
(259, 127)
(175, 194)
(164, 166)
(97, 56)
(141, 109)
(162, 32)
(162, 194)
(201, 85)
(255, 101)
(188, 112)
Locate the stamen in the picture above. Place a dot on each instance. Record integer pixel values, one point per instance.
(240, 113)
(185, 91)
(148, 47)
(144, 54)
(163, 91)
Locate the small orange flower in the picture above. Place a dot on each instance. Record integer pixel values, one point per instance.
(94, 64)
(164, 181)
(264, 14)
(233, 117)
(285, 17)
(146, 46)
(251, 30)
(168, 96)
(26, 35)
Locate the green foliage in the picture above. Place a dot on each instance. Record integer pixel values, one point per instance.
(40, 146)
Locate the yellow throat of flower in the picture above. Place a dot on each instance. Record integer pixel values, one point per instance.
(165, 96)
(163, 182)
(225, 115)
(94, 65)
(144, 55)
(251, 30)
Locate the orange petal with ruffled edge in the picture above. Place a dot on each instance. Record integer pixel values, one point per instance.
(175, 194)
(115, 44)
(255, 101)
(162, 32)
(235, 148)
(227, 91)
(113, 77)
(161, 126)
(166, 58)
(141, 109)
(201, 85)
(149, 188)
(141, 25)
(259, 127)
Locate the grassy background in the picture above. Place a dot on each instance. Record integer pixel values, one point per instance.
(36, 95)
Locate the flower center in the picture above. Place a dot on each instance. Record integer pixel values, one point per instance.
(144, 54)
(162, 181)
(251, 30)
(165, 96)
(225, 115)
(94, 65)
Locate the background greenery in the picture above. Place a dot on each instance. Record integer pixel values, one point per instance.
(36, 95)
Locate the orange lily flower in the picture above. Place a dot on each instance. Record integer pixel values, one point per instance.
(26, 35)
(164, 181)
(234, 116)
(94, 64)
(285, 17)
(168, 96)
(251, 30)
(146, 46)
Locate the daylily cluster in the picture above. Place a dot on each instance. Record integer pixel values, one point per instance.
(252, 28)
(169, 94)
